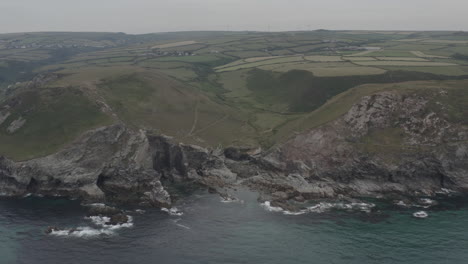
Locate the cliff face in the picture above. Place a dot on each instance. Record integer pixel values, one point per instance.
(114, 164)
(386, 143)
(111, 162)
(389, 143)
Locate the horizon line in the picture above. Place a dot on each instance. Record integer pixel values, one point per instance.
(234, 31)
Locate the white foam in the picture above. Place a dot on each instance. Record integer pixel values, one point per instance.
(267, 205)
(102, 220)
(230, 200)
(82, 232)
(420, 214)
(180, 225)
(99, 220)
(294, 213)
(445, 191)
(183, 226)
(426, 201)
(403, 204)
(86, 231)
(95, 205)
(172, 211)
(322, 207)
(32, 195)
(140, 211)
(423, 203)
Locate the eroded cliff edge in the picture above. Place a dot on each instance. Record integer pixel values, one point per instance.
(390, 143)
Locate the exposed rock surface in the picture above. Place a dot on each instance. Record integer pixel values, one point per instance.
(110, 163)
(16, 124)
(4, 115)
(387, 144)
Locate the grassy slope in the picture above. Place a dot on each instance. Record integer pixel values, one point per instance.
(185, 97)
(301, 91)
(455, 104)
(54, 116)
(154, 101)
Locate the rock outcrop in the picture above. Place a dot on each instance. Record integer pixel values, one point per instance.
(118, 165)
(387, 144)
(111, 163)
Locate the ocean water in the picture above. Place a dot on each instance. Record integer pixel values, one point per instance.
(206, 230)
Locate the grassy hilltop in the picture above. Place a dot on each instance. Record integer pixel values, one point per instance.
(210, 88)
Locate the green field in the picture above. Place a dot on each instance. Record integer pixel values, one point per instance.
(210, 88)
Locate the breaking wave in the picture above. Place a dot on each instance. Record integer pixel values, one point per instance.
(321, 208)
(421, 203)
(102, 220)
(101, 228)
(172, 211)
(82, 232)
(231, 200)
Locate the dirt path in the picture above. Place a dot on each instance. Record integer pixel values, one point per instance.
(212, 124)
(195, 119)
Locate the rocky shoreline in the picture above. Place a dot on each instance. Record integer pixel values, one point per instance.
(118, 165)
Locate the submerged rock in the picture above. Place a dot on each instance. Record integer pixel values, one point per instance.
(103, 210)
(118, 219)
(51, 229)
(16, 124)
(285, 206)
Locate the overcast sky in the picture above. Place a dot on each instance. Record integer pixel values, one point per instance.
(144, 16)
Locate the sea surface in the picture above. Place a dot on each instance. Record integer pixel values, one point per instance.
(205, 229)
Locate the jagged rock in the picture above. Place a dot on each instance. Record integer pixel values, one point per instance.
(41, 79)
(335, 158)
(51, 229)
(111, 163)
(118, 219)
(115, 164)
(124, 166)
(237, 154)
(4, 115)
(284, 205)
(16, 124)
(103, 210)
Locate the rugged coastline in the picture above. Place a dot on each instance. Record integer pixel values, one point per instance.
(119, 165)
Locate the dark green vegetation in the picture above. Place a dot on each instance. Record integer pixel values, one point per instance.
(459, 56)
(52, 117)
(303, 92)
(211, 88)
(451, 103)
(448, 99)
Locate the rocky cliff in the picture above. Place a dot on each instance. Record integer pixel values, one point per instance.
(389, 143)
(115, 164)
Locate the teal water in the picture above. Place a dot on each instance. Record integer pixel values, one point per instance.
(210, 231)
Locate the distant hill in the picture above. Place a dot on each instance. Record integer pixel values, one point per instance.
(206, 88)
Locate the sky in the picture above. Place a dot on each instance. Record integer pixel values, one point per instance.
(146, 16)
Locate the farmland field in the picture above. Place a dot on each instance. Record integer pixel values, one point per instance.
(400, 59)
(214, 88)
(323, 58)
(175, 44)
(322, 69)
(404, 63)
(423, 55)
